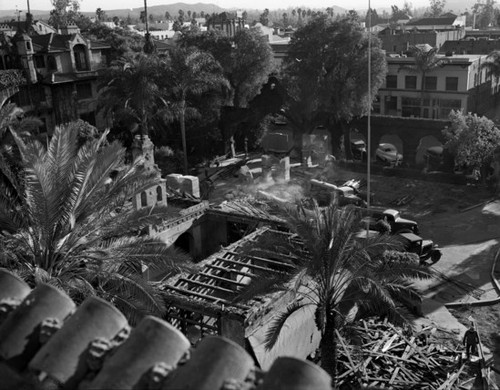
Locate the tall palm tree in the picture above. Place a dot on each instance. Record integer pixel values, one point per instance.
(131, 90)
(70, 222)
(336, 272)
(426, 60)
(188, 74)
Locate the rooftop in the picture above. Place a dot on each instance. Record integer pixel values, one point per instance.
(48, 342)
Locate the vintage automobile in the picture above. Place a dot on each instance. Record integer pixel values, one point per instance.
(425, 249)
(393, 217)
(388, 153)
(358, 149)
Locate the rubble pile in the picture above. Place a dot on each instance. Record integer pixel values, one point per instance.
(381, 355)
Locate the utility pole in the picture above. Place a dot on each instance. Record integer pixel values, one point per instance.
(149, 46)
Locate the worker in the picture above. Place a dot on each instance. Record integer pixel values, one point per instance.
(471, 339)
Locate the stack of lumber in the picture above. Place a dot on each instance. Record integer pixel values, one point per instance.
(381, 355)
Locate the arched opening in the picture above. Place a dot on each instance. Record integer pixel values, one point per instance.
(184, 242)
(81, 62)
(424, 144)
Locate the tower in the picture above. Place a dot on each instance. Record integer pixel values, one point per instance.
(24, 47)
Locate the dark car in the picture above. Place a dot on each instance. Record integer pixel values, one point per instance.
(425, 249)
(393, 217)
(358, 149)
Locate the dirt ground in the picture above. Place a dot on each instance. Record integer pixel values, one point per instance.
(429, 201)
(438, 207)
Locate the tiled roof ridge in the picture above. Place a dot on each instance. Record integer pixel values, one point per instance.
(46, 341)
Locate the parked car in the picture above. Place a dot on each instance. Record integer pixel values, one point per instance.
(433, 157)
(358, 149)
(388, 154)
(393, 217)
(425, 249)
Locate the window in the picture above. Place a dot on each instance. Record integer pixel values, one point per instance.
(144, 199)
(28, 45)
(452, 83)
(84, 90)
(446, 105)
(51, 63)
(159, 194)
(410, 107)
(80, 57)
(411, 82)
(431, 83)
(39, 62)
(391, 81)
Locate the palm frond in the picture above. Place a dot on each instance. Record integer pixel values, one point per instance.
(278, 322)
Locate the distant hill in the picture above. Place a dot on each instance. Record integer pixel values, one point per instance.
(173, 9)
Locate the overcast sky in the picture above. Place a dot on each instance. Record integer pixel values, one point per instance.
(92, 5)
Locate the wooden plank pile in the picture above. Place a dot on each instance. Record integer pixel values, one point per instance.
(381, 355)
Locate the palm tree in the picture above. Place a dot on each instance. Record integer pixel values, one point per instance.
(426, 60)
(190, 73)
(70, 222)
(130, 90)
(337, 272)
(492, 63)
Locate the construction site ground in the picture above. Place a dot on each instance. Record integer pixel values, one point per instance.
(464, 220)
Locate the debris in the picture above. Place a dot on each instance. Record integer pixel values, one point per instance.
(384, 356)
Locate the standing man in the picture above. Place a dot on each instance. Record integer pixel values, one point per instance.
(471, 339)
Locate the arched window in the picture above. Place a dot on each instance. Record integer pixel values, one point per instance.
(159, 194)
(144, 199)
(80, 57)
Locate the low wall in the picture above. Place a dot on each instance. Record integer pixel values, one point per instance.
(407, 173)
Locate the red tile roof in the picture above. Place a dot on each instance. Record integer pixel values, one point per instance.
(47, 342)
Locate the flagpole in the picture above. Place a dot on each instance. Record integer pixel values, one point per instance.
(369, 135)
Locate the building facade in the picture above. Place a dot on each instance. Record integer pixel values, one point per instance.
(62, 72)
(459, 83)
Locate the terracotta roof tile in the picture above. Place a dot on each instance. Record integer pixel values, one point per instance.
(47, 342)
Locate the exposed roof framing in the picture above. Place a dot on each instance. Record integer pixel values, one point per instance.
(223, 275)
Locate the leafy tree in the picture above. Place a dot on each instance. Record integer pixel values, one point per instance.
(180, 18)
(167, 15)
(122, 41)
(131, 90)
(116, 20)
(76, 227)
(247, 62)
(484, 14)
(436, 8)
(67, 11)
(398, 14)
(251, 63)
(426, 61)
(100, 14)
(142, 17)
(326, 76)
(473, 140)
(492, 63)
(190, 73)
(264, 17)
(334, 271)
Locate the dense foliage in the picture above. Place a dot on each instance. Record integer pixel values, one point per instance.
(472, 139)
(66, 218)
(326, 74)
